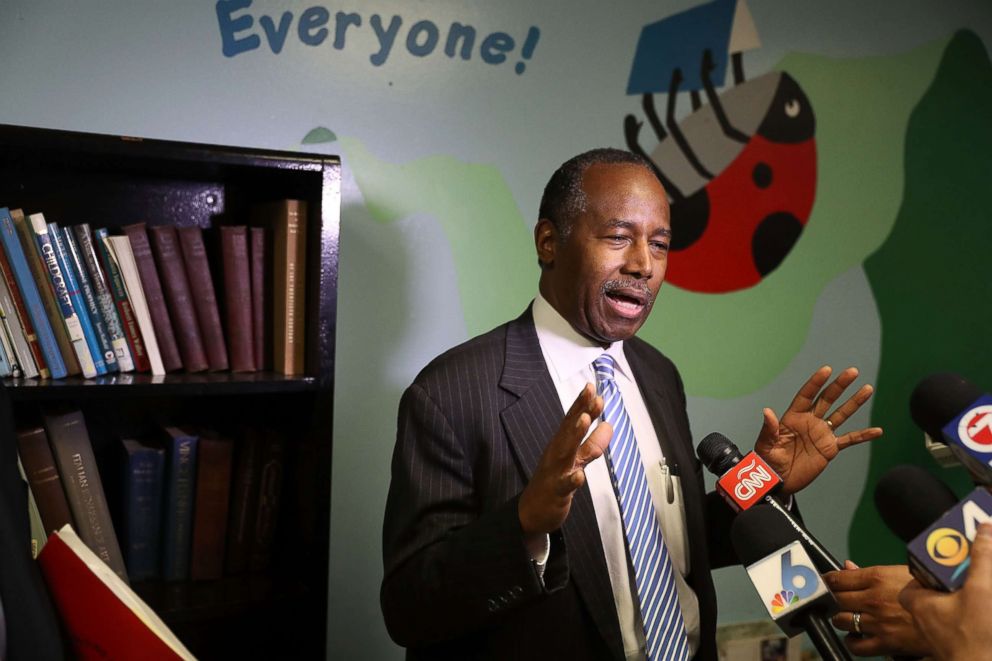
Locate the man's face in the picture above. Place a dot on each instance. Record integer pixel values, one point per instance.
(604, 277)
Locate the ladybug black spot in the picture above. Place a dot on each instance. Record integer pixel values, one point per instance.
(690, 217)
(762, 175)
(773, 240)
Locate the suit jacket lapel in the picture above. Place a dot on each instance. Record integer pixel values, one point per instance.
(530, 422)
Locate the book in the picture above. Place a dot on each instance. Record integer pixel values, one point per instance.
(43, 478)
(244, 501)
(272, 466)
(125, 309)
(104, 618)
(213, 489)
(105, 298)
(23, 318)
(144, 470)
(177, 524)
(5, 348)
(78, 269)
(204, 296)
(19, 248)
(11, 358)
(13, 334)
(76, 296)
(70, 443)
(238, 297)
(287, 218)
(120, 246)
(56, 280)
(169, 258)
(260, 296)
(37, 528)
(165, 323)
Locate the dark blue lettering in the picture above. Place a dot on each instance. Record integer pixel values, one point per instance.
(467, 35)
(343, 20)
(311, 27)
(276, 34)
(229, 27)
(495, 47)
(386, 37)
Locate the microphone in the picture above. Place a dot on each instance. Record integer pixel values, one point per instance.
(939, 557)
(909, 499)
(781, 571)
(747, 480)
(951, 409)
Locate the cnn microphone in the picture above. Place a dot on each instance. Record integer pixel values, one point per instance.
(909, 499)
(939, 557)
(781, 571)
(951, 409)
(746, 480)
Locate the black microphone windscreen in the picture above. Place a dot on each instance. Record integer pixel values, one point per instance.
(759, 532)
(938, 399)
(718, 453)
(909, 498)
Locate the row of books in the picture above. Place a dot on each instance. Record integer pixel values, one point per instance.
(76, 300)
(188, 504)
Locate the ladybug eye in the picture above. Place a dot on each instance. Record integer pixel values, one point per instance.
(792, 108)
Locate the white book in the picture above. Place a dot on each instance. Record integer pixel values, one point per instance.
(120, 246)
(15, 334)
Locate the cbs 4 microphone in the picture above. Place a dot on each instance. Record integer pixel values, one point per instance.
(939, 556)
(788, 585)
(747, 480)
(957, 417)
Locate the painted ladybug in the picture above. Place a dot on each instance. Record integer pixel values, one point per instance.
(741, 175)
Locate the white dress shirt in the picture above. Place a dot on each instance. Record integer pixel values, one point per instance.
(569, 357)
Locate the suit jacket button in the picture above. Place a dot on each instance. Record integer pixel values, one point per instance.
(493, 606)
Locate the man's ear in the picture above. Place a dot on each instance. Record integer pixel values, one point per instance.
(546, 241)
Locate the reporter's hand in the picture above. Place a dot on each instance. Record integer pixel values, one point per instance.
(547, 498)
(874, 592)
(958, 625)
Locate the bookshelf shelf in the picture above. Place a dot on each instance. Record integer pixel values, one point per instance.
(114, 181)
(145, 385)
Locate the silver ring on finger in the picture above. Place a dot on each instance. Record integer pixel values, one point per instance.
(857, 622)
(829, 424)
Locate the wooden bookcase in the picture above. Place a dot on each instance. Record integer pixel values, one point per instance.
(110, 181)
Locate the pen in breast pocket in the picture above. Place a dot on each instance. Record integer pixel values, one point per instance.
(666, 473)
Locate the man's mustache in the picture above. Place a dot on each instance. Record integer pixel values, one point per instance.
(629, 285)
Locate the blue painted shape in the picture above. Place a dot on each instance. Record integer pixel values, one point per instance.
(678, 42)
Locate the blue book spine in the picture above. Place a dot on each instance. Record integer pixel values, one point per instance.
(32, 297)
(177, 531)
(100, 330)
(57, 279)
(144, 468)
(76, 296)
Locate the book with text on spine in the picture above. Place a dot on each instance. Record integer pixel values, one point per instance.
(120, 246)
(104, 618)
(77, 266)
(125, 309)
(104, 297)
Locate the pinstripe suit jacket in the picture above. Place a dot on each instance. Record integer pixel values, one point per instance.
(458, 580)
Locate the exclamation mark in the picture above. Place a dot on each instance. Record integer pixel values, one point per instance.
(529, 45)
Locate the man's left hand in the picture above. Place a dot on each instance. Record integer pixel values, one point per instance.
(800, 444)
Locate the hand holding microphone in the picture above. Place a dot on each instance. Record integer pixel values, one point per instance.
(958, 625)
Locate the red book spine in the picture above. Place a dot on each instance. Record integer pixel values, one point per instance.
(237, 297)
(152, 286)
(179, 296)
(259, 298)
(204, 296)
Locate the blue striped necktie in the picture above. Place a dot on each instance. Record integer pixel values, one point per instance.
(664, 628)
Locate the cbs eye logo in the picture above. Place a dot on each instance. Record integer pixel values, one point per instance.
(947, 547)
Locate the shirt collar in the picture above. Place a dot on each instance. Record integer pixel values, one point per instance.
(565, 350)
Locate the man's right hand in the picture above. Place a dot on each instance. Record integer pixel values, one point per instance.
(547, 498)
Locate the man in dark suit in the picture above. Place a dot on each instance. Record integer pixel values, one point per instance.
(509, 529)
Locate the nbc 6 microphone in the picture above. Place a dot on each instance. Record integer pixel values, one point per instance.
(909, 499)
(781, 571)
(745, 481)
(952, 410)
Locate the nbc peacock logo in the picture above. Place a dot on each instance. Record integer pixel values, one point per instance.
(783, 600)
